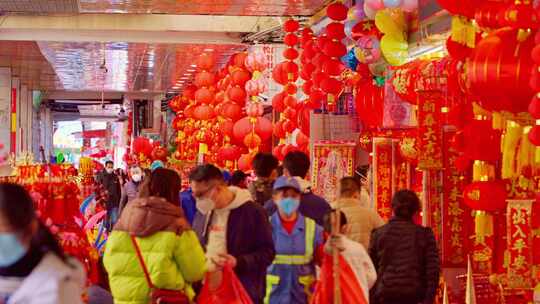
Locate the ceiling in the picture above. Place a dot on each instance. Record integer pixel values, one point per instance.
(173, 7)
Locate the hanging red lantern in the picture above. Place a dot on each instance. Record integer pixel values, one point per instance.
(291, 26)
(521, 16)
(485, 196)
(290, 101)
(534, 135)
(189, 92)
(335, 49)
(290, 53)
(188, 111)
(481, 141)
(309, 49)
(457, 50)
(279, 130)
(289, 113)
(306, 87)
(240, 59)
(290, 89)
(252, 141)
(244, 162)
(315, 99)
(288, 149)
(240, 77)
(206, 61)
(301, 139)
(263, 128)
(290, 39)
(337, 11)
(534, 107)
(232, 111)
(277, 152)
(226, 127)
(284, 72)
(497, 74)
(462, 164)
(333, 67)
(335, 30)
(289, 126)
(332, 86)
(204, 96)
(205, 79)
(237, 94)
(277, 102)
(204, 112)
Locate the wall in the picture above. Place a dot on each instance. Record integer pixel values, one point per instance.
(5, 102)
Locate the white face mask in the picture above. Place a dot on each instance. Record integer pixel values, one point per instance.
(136, 178)
(205, 204)
(109, 170)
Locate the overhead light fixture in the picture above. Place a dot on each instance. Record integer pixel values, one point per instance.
(193, 65)
(176, 87)
(208, 50)
(191, 70)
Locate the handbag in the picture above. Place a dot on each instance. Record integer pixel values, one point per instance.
(158, 295)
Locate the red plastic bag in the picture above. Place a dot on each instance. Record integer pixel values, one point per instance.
(231, 291)
(351, 292)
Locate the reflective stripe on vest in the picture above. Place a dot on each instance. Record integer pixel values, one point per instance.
(271, 281)
(284, 259)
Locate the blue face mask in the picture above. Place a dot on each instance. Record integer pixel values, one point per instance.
(11, 249)
(289, 205)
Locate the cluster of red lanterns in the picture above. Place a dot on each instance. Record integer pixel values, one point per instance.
(210, 117)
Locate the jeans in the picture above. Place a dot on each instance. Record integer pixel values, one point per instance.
(110, 220)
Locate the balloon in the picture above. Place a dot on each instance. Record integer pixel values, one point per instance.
(374, 4)
(409, 5)
(368, 49)
(370, 13)
(394, 51)
(378, 68)
(390, 23)
(392, 3)
(350, 60)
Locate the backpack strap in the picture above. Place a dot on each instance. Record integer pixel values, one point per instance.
(141, 262)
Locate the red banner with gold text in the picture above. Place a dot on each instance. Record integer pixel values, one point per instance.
(382, 180)
(429, 130)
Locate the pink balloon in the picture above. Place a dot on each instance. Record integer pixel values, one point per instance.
(409, 5)
(370, 13)
(375, 4)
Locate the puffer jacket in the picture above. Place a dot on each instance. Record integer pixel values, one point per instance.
(170, 249)
(407, 262)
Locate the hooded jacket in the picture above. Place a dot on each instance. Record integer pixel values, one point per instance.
(52, 281)
(248, 237)
(170, 249)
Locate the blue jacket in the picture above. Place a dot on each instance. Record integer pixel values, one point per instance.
(188, 205)
(311, 205)
(291, 282)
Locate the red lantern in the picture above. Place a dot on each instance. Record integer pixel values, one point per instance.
(332, 86)
(277, 102)
(291, 26)
(204, 96)
(206, 61)
(315, 99)
(159, 153)
(290, 89)
(252, 141)
(333, 67)
(481, 141)
(289, 126)
(226, 127)
(290, 39)
(462, 164)
(335, 30)
(306, 87)
(205, 79)
(337, 11)
(290, 101)
(244, 162)
(335, 49)
(189, 92)
(240, 77)
(289, 113)
(485, 196)
(497, 71)
(285, 72)
(534, 135)
(240, 59)
(534, 107)
(189, 110)
(535, 54)
(457, 50)
(254, 109)
(290, 53)
(302, 140)
(279, 130)
(277, 152)
(263, 128)
(232, 111)
(288, 149)
(204, 112)
(237, 94)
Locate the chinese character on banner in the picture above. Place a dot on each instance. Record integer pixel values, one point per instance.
(519, 243)
(332, 160)
(456, 219)
(430, 131)
(382, 179)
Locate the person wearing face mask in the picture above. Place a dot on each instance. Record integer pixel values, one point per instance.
(298, 240)
(130, 191)
(233, 229)
(33, 267)
(111, 182)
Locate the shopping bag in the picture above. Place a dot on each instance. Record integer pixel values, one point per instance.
(350, 289)
(230, 291)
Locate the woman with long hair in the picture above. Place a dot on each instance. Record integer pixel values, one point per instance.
(153, 244)
(33, 267)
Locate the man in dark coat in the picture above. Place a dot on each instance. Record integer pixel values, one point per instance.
(111, 183)
(405, 256)
(233, 230)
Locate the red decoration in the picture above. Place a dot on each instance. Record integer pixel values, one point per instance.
(291, 26)
(204, 96)
(252, 141)
(277, 102)
(206, 61)
(335, 30)
(263, 128)
(332, 86)
(240, 77)
(534, 135)
(205, 79)
(290, 113)
(237, 94)
(465, 8)
(290, 53)
(334, 49)
(534, 107)
(290, 101)
(290, 39)
(337, 11)
(240, 59)
(204, 112)
(279, 130)
(485, 196)
(232, 111)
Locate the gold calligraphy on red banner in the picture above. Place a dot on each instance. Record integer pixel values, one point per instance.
(383, 178)
(430, 131)
(519, 237)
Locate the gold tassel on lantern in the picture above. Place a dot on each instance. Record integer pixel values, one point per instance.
(483, 223)
(526, 154)
(509, 149)
(482, 171)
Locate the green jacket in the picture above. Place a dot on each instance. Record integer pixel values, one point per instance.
(171, 251)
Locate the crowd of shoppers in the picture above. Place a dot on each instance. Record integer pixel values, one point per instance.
(273, 232)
